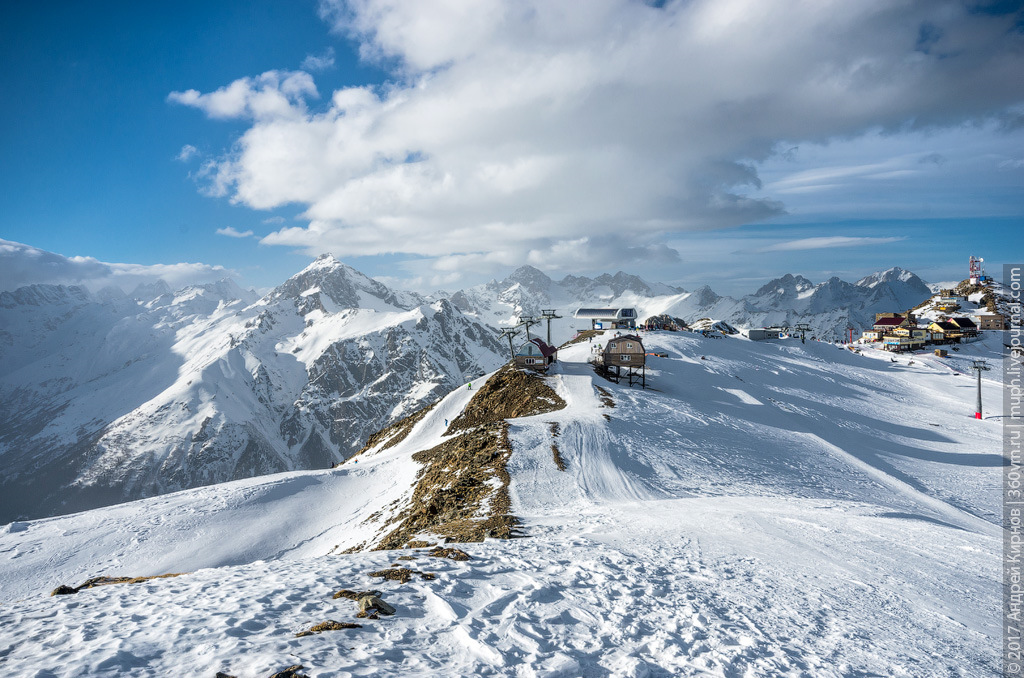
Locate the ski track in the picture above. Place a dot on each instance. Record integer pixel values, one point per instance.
(769, 510)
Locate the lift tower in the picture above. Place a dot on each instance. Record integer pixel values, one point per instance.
(549, 315)
(979, 366)
(510, 332)
(528, 323)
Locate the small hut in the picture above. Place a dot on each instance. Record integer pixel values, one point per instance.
(625, 353)
(536, 354)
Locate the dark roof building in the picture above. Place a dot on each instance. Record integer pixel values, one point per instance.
(536, 354)
(890, 323)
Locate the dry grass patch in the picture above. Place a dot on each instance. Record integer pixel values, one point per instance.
(555, 453)
(461, 491)
(509, 394)
(419, 544)
(329, 625)
(63, 590)
(605, 395)
(391, 435)
(449, 553)
(585, 335)
(455, 496)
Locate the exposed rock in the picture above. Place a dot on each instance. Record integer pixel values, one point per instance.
(291, 672)
(374, 603)
(355, 595)
(402, 574)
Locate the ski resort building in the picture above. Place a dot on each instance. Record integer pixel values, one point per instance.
(948, 303)
(760, 334)
(945, 332)
(536, 354)
(888, 323)
(966, 325)
(994, 321)
(624, 356)
(608, 318)
(906, 339)
(898, 344)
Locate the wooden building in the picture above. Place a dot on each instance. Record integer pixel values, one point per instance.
(625, 356)
(994, 321)
(889, 322)
(966, 325)
(536, 354)
(945, 332)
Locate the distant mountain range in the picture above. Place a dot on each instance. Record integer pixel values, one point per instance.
(106, 397)
(828, 307)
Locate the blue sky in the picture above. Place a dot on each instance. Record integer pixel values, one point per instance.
(721, 142)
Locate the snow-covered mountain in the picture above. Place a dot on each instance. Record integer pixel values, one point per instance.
(528, 291)
(766, 509)
(828, 307)
(106, 399)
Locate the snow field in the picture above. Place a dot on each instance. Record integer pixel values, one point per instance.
(770, 509)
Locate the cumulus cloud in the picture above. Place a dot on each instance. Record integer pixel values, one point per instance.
(536, 130)
(232, 233)
(188, 151)
(22, 265)
(319, 62)
(271, 96)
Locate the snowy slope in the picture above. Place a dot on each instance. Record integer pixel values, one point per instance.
(105, 401)
(763, 509)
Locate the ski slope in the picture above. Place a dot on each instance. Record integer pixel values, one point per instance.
(763, 509)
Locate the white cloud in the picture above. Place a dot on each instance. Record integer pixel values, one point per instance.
(188, 151)
(232, 233)
(272, 95)
(319, 62)
(828, 242)
(26, 265)
(536, 130)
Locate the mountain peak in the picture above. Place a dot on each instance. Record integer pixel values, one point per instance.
(341, 284)
(787, 285)
(530, 278)
(894, 274)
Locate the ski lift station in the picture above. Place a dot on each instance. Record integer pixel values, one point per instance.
(760, 334)
(608, 318)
